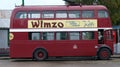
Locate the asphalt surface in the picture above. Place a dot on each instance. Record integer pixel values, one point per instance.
(60, 62)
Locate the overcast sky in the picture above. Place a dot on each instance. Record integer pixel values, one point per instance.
(10, 4)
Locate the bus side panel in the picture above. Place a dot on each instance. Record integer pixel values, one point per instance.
(106, 22)
(23, 48)
(18, 43)
(26, 48)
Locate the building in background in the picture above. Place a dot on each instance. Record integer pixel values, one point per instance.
(4, 31)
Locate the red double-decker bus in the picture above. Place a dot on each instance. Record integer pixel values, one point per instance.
(39, 32)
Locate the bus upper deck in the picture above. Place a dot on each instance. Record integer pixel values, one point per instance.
(26, 13)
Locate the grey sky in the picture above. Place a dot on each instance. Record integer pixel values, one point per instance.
(10, 4)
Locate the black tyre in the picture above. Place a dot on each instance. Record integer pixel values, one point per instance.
(40, 54)
(104, 54)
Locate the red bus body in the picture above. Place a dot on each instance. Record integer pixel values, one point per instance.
(22, 47)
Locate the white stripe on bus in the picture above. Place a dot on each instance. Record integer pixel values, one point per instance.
(55, 29)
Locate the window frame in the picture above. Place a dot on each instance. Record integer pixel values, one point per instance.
(33, 12)
(51, 12)
(61, 11)
(109, 35)
(89, 35)
(66, 36)
(106, 12)
(30, 36)
(74, 11)
(79, 36)
(84, 16)
(47, 36)
(26, 16)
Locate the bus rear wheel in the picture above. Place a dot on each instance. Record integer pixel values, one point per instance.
(104, 54)
(40, 54)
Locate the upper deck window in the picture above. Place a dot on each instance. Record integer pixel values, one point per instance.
(47, 14)
(61, 14)
(34, 14)
(88, 14)
(102, 14)
(21, 15)
(74, 14)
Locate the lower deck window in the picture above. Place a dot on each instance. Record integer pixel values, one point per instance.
(74, 35)
(87, 35)
(61, 36)
(47, 36)
(35, 36)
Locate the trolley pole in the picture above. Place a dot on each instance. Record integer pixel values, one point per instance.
(22, 2)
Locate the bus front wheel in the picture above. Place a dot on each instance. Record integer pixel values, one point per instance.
(40, 54)
(104, 54)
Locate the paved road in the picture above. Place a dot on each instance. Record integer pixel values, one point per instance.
(61, 62)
